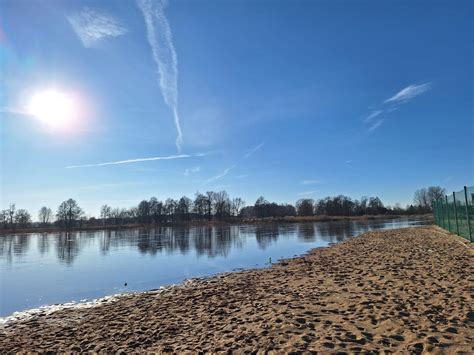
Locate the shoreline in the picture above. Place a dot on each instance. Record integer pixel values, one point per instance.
(396, 290)
(190, 224)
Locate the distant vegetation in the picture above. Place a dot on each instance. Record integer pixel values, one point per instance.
(211, 206)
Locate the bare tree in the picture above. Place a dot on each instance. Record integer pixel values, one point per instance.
(170, 209)
(376, 206)
(209, 199)
(435, 193)
(421, 198)
(156, 209)
(260, 207)
(221, 204)
(424, 197)
(22, 218)
(237, 205)
(200, 205)
(44, 215)
(105, 213)
(4, 218)
(133, 212)
(184, 208)
(305, 207)
(10, 212)
(144, 212)
(68, 213)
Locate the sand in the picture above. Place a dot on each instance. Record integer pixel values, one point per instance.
(406, 290)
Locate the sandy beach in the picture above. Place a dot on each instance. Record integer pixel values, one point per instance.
(405, 290)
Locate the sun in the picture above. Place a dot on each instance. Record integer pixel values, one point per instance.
(56, 109)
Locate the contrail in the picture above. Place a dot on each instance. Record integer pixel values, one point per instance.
(227, 170)
(253, 150)
(171, 157)
(221, 175)
(161, 43)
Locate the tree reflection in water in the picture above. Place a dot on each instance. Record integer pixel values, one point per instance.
(209, 241)
(67, 247)
(13, 245)
(307, 232)
(43, 243)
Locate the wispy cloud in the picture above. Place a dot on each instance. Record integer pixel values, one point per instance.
(247, 155)
(409, 93)
(192, 170)
(392, 103)
(373, 115)
(138, 160)
(161, 42)
(92, 26)
(221, 175)
(306, 193)
(375, 125)
(14, 111)
(253, 150)
(310, 182)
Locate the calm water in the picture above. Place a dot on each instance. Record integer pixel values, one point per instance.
(41, 269)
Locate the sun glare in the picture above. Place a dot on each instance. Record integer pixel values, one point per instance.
(56, 109)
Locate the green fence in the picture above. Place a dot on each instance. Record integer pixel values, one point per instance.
(455, 212)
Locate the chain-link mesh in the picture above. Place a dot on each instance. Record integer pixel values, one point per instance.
(455, 212)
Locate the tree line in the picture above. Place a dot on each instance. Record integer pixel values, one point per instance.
(211, 206)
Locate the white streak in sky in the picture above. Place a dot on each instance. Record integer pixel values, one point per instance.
(221, 175)
(373, 115)
(227, 170)
(171, 157)
(375, 125)
(310, 182)
(409, 93)
(92, 26)
(392, 104)
(253, 150)
(161, 43)
(14, 111)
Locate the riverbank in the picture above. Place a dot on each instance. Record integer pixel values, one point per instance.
(231, 221)
(398, 290)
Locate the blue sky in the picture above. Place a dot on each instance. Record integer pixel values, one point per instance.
(285, 99)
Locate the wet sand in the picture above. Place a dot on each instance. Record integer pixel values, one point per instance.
(405, 290)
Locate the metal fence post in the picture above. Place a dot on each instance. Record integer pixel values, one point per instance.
(455, 213)
(447, 212)
(440, 202)
(467, 214)
(438, 212)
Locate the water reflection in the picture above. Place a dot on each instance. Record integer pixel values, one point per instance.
(39, 269)
(67, 247)
(43, 243)
(14, 245)
(208, 241)
(307, 232)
